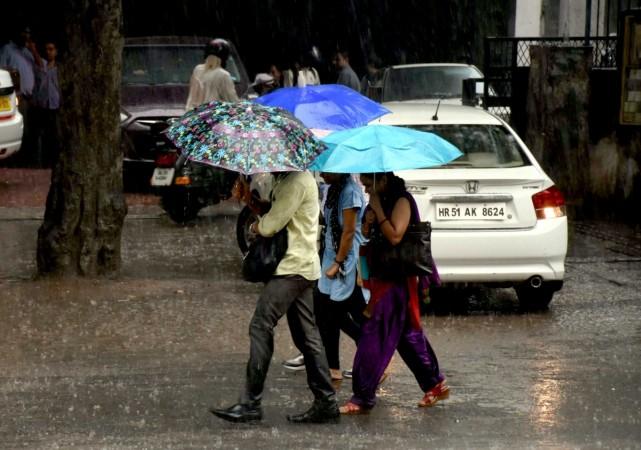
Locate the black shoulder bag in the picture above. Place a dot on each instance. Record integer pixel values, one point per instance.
(263, 257)
(264, 254)
(410, 257)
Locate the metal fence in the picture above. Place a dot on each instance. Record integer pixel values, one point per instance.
(506, 52)
(506, 57)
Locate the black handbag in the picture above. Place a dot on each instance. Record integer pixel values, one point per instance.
(411, 257)
(263, 257)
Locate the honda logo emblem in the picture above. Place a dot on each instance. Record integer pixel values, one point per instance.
(471, 187)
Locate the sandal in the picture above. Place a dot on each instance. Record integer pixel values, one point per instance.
(439, 392)
(383, 377)
(352, 409)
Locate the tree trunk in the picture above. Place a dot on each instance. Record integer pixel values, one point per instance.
(85, 211)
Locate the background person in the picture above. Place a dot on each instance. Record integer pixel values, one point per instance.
(17, 56)
(46, 103)
(346, 75)
(290, 74)
(277, 75)
(393, 312)
(210, 81)
(373, 74)
(307, 73)
(263, 84)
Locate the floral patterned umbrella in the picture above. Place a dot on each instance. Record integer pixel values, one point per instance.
(245, 137)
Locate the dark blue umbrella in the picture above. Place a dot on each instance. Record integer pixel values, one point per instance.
(326, 107)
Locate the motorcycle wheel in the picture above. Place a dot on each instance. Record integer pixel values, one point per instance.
(245, 218)
(181, 208)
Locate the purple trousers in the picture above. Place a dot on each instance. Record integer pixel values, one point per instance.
(388, 330)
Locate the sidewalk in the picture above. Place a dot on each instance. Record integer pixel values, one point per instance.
(29, 187)
(592, 237)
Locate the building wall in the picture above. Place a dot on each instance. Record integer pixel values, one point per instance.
(571, 18)
(528, 18)
(560, 18)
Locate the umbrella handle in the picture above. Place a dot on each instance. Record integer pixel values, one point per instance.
(181, 161)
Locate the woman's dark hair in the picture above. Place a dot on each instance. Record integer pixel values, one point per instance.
(395, 189)
(331, 203)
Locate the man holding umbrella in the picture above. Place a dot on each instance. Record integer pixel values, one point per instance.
(250, 138)
(289, 291)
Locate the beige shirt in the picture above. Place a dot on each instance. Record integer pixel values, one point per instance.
(308, 77)
(295, 205)
(210, 82)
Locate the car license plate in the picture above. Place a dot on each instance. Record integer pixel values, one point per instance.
(162, 176)
(5, 103)
(470, 211)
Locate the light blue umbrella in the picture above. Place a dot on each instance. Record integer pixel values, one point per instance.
(325, 107)
(383, 148)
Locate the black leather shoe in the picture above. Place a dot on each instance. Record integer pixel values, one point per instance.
(240, 412)
(322, 411)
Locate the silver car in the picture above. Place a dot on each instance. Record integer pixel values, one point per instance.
(427, 82)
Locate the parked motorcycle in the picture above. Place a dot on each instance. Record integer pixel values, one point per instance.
(185, 186)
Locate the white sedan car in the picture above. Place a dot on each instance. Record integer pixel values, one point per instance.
(10, 119)
(427, 82)
(497, 218)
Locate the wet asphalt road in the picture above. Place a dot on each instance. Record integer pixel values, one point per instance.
(135, 362)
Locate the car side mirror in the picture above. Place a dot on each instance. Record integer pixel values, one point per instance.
(470, 93)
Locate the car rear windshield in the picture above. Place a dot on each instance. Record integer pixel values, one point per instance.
(162, 64)
(483, 146)
(419, 83)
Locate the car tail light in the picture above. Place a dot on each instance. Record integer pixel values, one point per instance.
(167, 159)
(549, 203)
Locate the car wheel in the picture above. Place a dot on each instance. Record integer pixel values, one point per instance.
(180, 207)
(534, 299)
(245, 218)
(445, 300)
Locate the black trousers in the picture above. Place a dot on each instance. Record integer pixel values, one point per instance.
(291, 295)
(333, 316)
(45, 136)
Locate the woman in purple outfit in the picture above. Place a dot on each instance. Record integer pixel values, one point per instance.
(393, 311)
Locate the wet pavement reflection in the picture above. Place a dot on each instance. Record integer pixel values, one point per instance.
(135, 362)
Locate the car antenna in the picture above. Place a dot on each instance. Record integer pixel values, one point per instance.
(435, 116)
